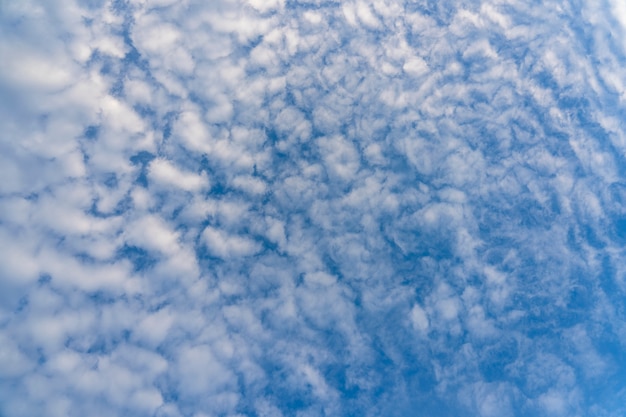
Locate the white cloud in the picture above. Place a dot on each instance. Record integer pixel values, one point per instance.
(13, 362)
(250, 184)
(152, 233)
(193, 132)
(153, 329)
(416, 66)
(340, 157)
(164, 172)
(225, 245)
(419, 319)
(200, 373)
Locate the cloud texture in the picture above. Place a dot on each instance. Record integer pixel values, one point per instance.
(309, 208)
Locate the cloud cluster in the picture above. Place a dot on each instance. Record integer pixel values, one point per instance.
(276, 208)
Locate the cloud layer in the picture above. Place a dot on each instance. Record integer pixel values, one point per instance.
(307, 208)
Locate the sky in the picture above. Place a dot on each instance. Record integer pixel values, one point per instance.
(302, 208)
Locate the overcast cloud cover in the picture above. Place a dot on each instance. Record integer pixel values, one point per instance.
(312, 208)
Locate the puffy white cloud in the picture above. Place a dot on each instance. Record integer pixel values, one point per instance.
(164, 172)
(419, 319)
(225, 245)
(152, 233)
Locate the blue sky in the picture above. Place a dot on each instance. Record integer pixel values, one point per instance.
(312, 208)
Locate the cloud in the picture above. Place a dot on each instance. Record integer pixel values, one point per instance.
(163, 172)
(223, 245)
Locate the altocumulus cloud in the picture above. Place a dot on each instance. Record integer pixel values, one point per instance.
(309, 208)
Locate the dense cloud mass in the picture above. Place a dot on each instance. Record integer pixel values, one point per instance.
(312, 208)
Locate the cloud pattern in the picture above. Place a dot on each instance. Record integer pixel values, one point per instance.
(307, 208)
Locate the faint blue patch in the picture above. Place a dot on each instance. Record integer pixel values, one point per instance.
(110, 180)
(141, 259)
(44, 279)
(92, 132)
(142, 159)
